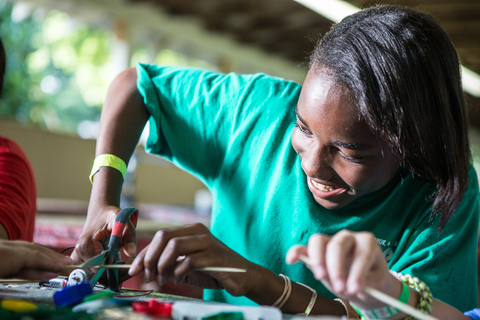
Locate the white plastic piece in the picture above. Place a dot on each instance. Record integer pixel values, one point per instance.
(195, 310)
(318, 318)
(77, 276)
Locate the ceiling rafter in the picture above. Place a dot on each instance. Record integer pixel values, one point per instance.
(288, 29)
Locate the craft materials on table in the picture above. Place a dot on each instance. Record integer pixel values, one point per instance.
(153, 307)
(58, 282)
(97, 302)
(194, 310)
(78, 276)
(104, 304)
(71, 295)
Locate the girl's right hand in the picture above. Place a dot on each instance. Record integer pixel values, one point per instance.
(347, 263)
(96, 234)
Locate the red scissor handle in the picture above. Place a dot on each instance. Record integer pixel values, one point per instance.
(121, 220)
(116, 242)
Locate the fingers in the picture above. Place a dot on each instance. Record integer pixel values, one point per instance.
(123, 274)
(87, 247)
(338, 257)
(166, 246)
(52, 255)
(90, 243)
(345, 263)
(317, 248)
(44, 259)
(364, 261)
(295, 252)
(194, 255)
(183, 247)
(129, 240)
(137, 264)
(75, 256)
(31, 261)
(30, 274)
(96, 231)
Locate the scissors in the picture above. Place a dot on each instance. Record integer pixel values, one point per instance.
(110, 255)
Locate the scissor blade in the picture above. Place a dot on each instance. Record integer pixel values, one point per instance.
(95, 261)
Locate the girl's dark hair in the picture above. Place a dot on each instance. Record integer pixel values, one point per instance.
(404, 74)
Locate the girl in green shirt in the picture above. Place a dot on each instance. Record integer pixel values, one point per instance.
(375, 140)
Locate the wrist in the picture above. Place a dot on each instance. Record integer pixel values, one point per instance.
(387, 311)
(393, 286)
(106, 190)
(108, 160)
(421, 296)
(263, 286)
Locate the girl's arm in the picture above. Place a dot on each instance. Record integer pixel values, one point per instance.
(123, 118)
(198, 248)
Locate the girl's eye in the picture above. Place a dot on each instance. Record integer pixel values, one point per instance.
(351, 159)
(304, 130)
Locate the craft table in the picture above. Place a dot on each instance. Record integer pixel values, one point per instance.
(60, 231)
(32, 292)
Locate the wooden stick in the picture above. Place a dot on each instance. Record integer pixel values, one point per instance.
(18, 281)
(305, 260)
(221, 269)
(127, 266)
(380, 296)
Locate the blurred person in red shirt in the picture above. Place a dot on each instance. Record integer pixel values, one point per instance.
(18, 193)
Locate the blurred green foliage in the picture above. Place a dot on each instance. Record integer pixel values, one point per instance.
(58, 69)
(16, 38)
(55, 76)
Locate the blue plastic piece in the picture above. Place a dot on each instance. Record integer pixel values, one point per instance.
(72, 295)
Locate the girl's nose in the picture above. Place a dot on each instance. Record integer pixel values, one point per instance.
(317, 164)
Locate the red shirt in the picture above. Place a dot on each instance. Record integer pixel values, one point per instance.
(18, 193)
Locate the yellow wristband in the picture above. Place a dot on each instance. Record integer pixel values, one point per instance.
(108, 160)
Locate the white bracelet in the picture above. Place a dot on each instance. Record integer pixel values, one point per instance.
(283, 293)
(287, 289)
(312, 300)
(287, 294)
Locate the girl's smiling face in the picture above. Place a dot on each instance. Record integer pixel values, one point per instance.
(341, 156)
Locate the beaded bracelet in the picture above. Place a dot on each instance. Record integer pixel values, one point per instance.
(426, 298)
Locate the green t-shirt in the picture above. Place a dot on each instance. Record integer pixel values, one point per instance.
(233, 133)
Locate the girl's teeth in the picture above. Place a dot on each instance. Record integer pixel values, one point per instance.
(322, 186)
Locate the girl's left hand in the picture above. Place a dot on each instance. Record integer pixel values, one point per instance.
(347, 263)
(178, 252)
